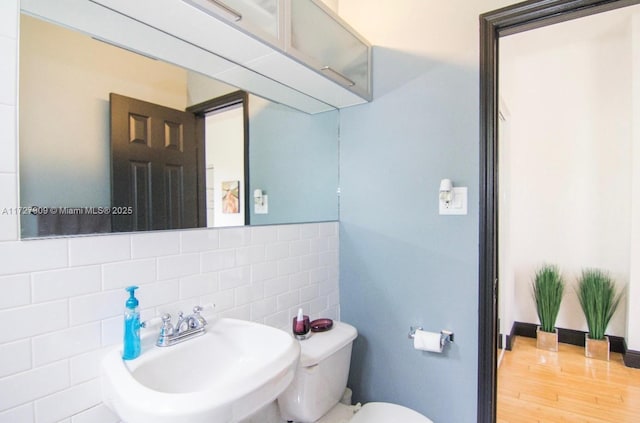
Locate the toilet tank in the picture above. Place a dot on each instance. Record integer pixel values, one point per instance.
(321, 376)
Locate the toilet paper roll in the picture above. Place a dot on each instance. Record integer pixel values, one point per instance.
(427, 341)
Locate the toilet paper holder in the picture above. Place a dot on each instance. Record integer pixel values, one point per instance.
(446, 336)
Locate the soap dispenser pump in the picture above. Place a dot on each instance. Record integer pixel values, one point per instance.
(131, 348)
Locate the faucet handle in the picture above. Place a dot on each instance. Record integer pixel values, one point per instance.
(167, 327)
(197, 320)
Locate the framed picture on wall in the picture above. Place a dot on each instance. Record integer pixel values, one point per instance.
(231, 197)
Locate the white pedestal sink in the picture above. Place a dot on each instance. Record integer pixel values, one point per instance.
(225, 375)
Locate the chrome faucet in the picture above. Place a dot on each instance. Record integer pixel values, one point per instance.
(185, 328)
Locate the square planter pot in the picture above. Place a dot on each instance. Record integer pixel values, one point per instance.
(596, 348)
(547, 340)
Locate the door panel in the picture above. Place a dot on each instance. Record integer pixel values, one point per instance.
(154, 166)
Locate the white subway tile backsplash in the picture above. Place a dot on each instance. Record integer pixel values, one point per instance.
(86, 366)
(328, 229)
(309, 231)
(298, 280)
(177, 266)
(261, 309)
(217, 260)
(333, 242)
(250, 255)
(279, 320)
(318, 245)
(32, 256)
(309, 262)
(28, 386)
(16, 291)
(94, 307)
(288, 300)
(318, 275)
(332, 312)
(300, 247)
(34, 320)
(65, 403)
(9, 19)
(234, 278)
(222, 300)
(125, 273)
(65, 283)
(288, 232)
(174, 309)
(111, 331)
(242, 313)
(249, 293)
(329, 258)
(276, 286)
(99, 249)
(65, 343)
(333, 299)
(71, 292)
(327, 286)
(8, 70)
(8, 203)
(308, 293)
(277, 251)
(7, 138)
(197, 285)
(333, 272)
(157, 293)
(263, 235)
(264, 271)
(155, 244)
(234, 237)
(198, 240)
(289, 266)
(98, 414)
(22, 414)
(317, 306)
(16, 357)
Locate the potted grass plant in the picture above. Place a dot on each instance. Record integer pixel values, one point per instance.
(599, 301)
(548, 289)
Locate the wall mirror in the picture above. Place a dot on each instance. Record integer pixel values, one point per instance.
(288, 158)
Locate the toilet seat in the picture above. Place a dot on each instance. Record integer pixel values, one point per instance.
(384, 412)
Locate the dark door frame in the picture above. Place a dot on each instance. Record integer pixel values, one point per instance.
(200, 110)
(493, 25)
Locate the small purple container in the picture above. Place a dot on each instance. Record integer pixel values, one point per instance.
(321, 325)
(301, 328)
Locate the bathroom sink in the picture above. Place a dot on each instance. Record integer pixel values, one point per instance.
(225, 375)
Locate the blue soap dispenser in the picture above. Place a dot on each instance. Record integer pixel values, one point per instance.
(132, 326)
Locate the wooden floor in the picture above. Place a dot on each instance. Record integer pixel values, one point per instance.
(540, 386)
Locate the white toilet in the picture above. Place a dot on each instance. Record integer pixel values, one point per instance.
(321, 379)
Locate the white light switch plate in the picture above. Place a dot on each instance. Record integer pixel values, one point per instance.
(459, 204)
(264, 208)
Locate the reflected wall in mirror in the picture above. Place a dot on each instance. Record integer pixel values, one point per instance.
(65, 81)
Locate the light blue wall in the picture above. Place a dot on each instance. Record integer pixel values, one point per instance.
(294, 160)
(401, 263)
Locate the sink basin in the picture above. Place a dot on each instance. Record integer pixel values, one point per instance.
(225, 375)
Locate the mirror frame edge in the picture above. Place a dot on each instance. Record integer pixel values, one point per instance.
(509, 20)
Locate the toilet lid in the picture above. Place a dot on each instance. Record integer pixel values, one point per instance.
(384, 412)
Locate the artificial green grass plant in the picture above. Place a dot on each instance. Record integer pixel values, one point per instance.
(548, 288)
(598, 299)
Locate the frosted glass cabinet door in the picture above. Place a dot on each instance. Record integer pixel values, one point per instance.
(323, 41)
(261, 18)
